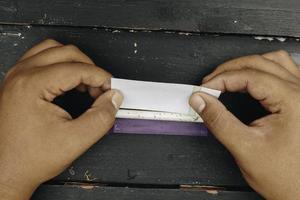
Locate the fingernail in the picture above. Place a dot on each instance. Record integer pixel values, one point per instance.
(117, 99)
(197, 103)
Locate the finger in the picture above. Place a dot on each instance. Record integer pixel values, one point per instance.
(52, 81)
(54, 55)
(95, 122)
(46, 44)
(67, 53)
(253, 62)
(81, 87)
(283, 58)
(271, 91)
(95, 91)
(223, 124)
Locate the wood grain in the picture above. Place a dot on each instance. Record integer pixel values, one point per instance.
(269, 17)
(83, 192)
(160, 56)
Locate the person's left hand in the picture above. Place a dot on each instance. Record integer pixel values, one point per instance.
(38, 139)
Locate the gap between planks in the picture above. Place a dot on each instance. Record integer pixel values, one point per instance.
(213, 189)
(270, 38)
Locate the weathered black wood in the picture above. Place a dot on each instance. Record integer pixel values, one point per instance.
(159, 56)
(64, 192)
(156, 160)
(269, 17)
(166, 57)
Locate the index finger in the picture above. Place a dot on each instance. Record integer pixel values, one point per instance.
(284, 59)
(46, 44)
(256, 62)
(53, 80)
(270, 90)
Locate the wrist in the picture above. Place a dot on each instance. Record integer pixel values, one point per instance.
(16, 187)
(15, 184)
(15, 192)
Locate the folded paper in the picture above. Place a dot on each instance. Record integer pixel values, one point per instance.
(156, 96)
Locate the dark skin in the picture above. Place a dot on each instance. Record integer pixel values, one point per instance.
(33, 129)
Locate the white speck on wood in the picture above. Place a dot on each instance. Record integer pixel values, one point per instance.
(11, 34)
(15, 44)
(183, 33)
(235, 21)
(116, 31)
(169, 32)
(281, 39)
(135, 44)
(264, 38)
(135, 51)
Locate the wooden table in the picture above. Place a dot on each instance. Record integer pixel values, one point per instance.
(160, 40)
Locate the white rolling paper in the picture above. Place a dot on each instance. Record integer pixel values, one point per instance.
(155, 96)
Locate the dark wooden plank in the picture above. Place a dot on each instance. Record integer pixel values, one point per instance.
(64, 192)
(169, 160)
(269, 17)
(168, 57)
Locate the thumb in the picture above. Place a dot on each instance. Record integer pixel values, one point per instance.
(97, 121)
(223, 124)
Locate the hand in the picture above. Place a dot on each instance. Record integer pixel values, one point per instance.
(38, 139)
(268, 150)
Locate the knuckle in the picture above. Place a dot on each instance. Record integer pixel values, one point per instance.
(75, 54)
(282, 54)
(247, 61)
(254, 57)
(51, 42)
(10, 72)
(18, 81)
(72, 48)
(22, 78)
(251, 61)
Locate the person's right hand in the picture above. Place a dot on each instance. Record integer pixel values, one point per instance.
(38, 139)
(268, 150)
